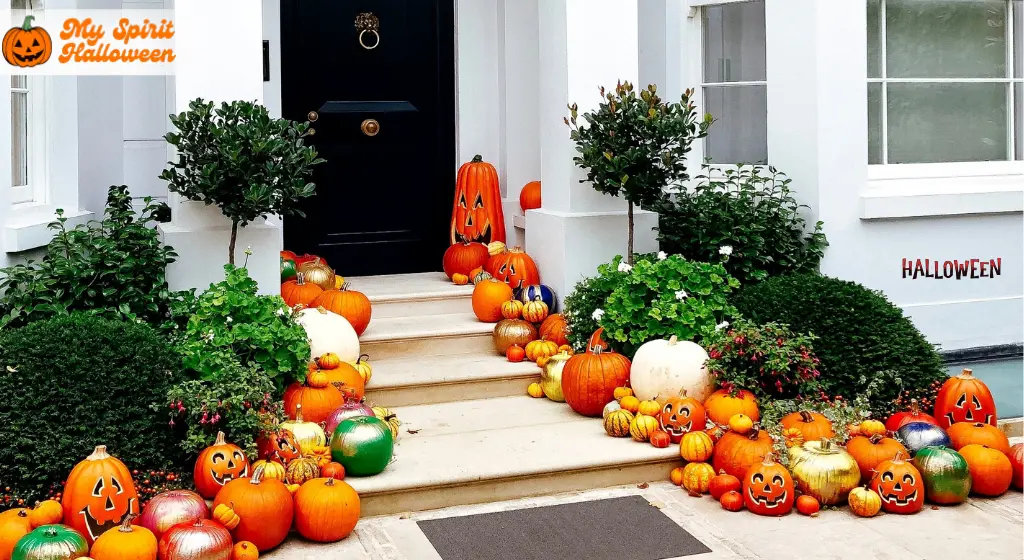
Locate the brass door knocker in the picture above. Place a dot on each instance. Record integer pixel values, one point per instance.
(366, 23)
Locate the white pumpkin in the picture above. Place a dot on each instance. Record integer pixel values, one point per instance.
(329, 332)
(663, 367)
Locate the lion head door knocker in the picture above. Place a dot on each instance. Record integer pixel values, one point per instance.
(368, 24)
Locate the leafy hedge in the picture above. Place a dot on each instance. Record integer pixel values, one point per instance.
(865, 343)
(73, 382)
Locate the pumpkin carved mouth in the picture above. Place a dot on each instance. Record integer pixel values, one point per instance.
(677, 430)
(227, 477)
(767, 500)
(894, 499)
(28, 57)
(485, 233)
(97, 528)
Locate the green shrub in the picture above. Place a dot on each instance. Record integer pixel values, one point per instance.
(113, 268)
(861, 337)
(589, 295)
(754, 214)
(259, 331)
(73, 382)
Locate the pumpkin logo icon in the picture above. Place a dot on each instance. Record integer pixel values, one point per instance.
(27, 46)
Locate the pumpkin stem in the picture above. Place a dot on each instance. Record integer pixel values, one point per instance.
(298, 412)
(967, 373)
(476, 159)
(126, 524)
(806, 417)
(220, 439)
(755, 431)
(300, 279)
(22, 513)
(98, 454)
(257, 477)
(363, 358)
(876, 438)
(27, 25)
(915, 408)
(51, 532)
(330, 481)
(673, 340)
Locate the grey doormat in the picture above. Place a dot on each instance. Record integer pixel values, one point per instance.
(627, 528)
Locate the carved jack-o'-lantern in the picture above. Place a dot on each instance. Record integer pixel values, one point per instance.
(681, 414)
(282, 445)
(768, 489)
(964, 398)
(27, 46)
(218, 464)
(514, 267)
(477, 213)
(900, 486)
(98, 494)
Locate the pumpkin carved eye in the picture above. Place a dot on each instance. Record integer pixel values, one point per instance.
(116, 485)
(98, 489)
(462, 200)
(757, 478)
(217, 457)
(977, 403)
(908, 478)
(777, 480)
(479, 201)
(888, 476)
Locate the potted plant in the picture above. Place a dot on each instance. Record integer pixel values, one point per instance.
(242, 160)
(636, 145)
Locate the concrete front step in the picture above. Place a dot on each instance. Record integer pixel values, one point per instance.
(412, 336)
(494, 449)
(413, 295)
(419, 380)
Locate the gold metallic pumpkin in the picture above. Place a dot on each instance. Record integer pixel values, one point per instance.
(824, 470)
(551, 377)
(316, 272)
(307, 434)
(510, 332)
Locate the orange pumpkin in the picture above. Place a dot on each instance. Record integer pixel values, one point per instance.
(966, 433)
(899, 419)
(329, 360)
(98, 494)
(244, 550)
(299, 292)
(515, 353)
(536, 311)
(529, 197)
(537, 349)
(347, 379)
(462, 258)
(27, 46)
(460, 279)
(873, 451)
(807, 504)
(900, 485)
(128, 542)
(512, 309)
(723, 405)
(735, 453)
(812, 425)
(264, 509)
(326, 510)
(317, 379)
(871, 428)
(681, 414)
(589, 380)
(350, 304)
(1016, 456)
(217, 465)
(991, 470)
(477, 214)
(333, 470)
(731, 501)
(280, 446)
(676, 476)
(488, 296)
(554, 328)
(964, 398)
(723, 483)
(514, 267)
(768, 488)
(317, 402)
(14, 524)
(47, 512)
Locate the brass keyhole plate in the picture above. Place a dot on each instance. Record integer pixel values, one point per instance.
(370, 127)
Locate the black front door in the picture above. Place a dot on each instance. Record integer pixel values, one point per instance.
(377, 80)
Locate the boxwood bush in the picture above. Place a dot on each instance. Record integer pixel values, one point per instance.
(73, 382)
(865, 343)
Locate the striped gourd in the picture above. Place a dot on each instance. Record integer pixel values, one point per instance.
(697, 477)
(642, 426)
(617, 423)
(302, 469)
(535, 311)
(512, 309)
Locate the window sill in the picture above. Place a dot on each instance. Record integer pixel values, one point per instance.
(944, 196)
(27, 229)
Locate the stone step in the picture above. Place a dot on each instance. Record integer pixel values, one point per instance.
(456, 333)
(413, 295)
(420, 380)
(503, 448)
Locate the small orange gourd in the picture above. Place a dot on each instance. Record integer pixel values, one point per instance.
(48, 512)
(127, 542)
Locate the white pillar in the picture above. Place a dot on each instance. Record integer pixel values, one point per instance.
(584, 44)
(200, 233)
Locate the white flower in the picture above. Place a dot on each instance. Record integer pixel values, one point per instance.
(662, 256)
(623, 267)
(681, 294)
(209, 335)
(725, 250)
(722, 325)
(230, 320)
(598, 313)
(281, 312)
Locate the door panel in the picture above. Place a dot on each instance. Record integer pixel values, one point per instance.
(383, 201)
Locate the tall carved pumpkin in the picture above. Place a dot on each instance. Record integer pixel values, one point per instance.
(964, 398)
(98, 494)
(514, 267)
(218, 464)
(477, 213)
(589, 380)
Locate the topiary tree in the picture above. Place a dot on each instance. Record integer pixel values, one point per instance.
(73, 382)
(635, 146)
(239, 158)
(865, 343)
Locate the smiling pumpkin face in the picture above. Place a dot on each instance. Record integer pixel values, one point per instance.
(899, 484)
(964, 398)
(680, 415)
(27, 46)
(98, 494)
(218, 464)
(768, 489)
(477, 214)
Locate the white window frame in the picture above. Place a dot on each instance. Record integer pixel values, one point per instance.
(36, 191)
(695, 75)
(974, 170)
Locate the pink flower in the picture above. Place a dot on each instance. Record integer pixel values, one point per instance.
(171, 423)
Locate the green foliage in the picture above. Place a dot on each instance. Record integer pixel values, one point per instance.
(234, 325)
(753, 213)
(589, 295)
(113, 268)
(241, 159)
(861, 337)
(73, 382)
(237, 401)
(768, 360)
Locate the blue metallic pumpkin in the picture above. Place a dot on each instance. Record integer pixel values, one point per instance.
(918, 435)
(526, 294)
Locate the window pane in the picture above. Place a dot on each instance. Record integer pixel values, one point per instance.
(19, 82)
(930, 123)
(946, 38)
(1018, 116)
(19, 4)
(741, 133)
(19, 139)
(874, 38)
(874, 124)
(734, 42)
(1018, 38)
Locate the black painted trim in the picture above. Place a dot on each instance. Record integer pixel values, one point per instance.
(981, 353)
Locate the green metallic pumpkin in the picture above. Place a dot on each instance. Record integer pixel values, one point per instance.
(363, 445)
(51, 542)
(288, 269)
(947, 479)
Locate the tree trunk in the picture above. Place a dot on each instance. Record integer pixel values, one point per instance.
(234, 237)
(629, 255)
